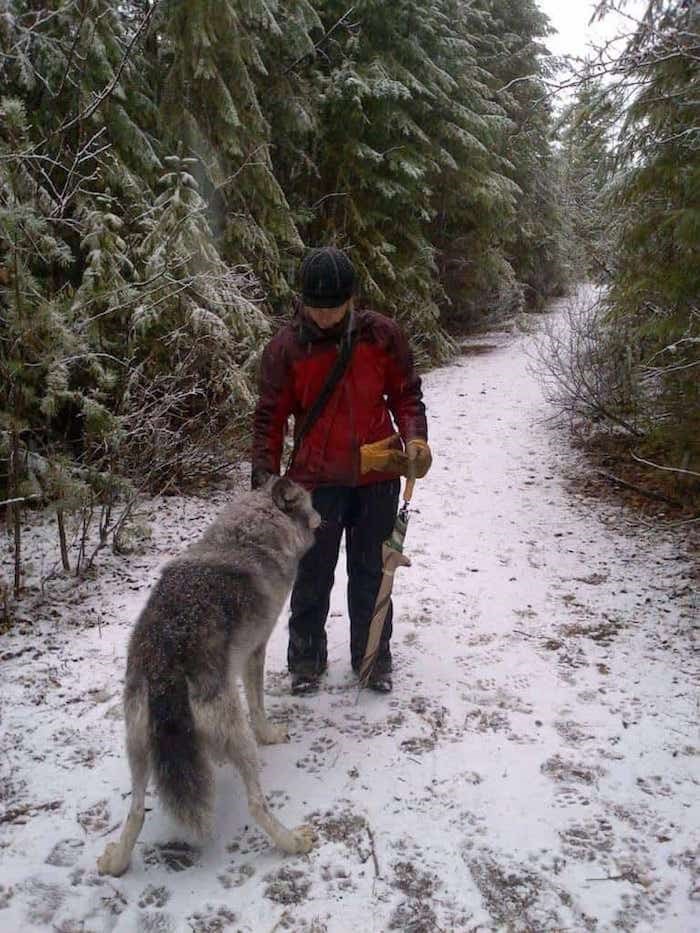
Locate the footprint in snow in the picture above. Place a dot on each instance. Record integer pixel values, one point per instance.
(569, 771)
(65, 853)
(173, 856)
(236, 876)
(585, 841)
(153, 896)
(6, 895)
(287, 885)
(152, 921)
(211, 920)
(96, 818)
(572, 732)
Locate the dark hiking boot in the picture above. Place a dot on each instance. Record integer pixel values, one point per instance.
(306, 678)
(304, 684)
(380, 679)
(380, 682)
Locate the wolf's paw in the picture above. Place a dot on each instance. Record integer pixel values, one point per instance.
(112, 861)
(303, 838)
(269, 734)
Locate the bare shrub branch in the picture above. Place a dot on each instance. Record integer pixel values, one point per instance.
(586, 365)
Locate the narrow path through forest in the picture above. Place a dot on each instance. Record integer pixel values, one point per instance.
(535, 768)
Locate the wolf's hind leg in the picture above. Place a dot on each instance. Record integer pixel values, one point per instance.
(242, 751)
(266, 733)
(116, 857)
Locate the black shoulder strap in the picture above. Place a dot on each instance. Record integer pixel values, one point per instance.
(345, 349)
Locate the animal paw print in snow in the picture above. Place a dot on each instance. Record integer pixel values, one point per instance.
(152, 896)
(654, 786)
(96, 818)
(584, 841)
(65, 853)
(287, 886)
(236, 877)
(212, 921)
(6, 895)
(175, 856)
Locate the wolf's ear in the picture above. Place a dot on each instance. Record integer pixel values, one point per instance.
(284, 494)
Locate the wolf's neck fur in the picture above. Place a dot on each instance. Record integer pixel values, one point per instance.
(265, 538)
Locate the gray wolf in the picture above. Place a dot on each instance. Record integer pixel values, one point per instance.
(205, 626)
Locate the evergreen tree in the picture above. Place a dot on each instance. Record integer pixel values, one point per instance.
(210, 56)
(373, 156)
(55, 375)
(53, 386)
(655, 281)
(35, 337)
(585, 164)
(82, 90)
(519, 65)
(289, 97)
(102, 300)
(474, 197)
(76, 185)
(394, 120)
(195, 336)
(384, 130)
(68, 137)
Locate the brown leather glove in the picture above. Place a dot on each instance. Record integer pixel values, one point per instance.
(383, 457)
(419, 456)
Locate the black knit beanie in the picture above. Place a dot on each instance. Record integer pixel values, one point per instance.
(327, 278)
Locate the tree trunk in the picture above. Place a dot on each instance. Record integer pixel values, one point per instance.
(60, 518)
(5, 596)
(16, 511)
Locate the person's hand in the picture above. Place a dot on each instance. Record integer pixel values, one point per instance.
(419, 457)
(383, 457)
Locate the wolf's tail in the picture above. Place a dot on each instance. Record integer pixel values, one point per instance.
(181, 768)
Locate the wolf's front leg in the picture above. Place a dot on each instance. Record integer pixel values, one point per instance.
(266, 733)
(242, 751)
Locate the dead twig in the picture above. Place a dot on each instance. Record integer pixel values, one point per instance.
(9, 816)
(375, 860)
(648, 493)
(610, 878)
(37, 495)
(321, 41)
(283, 919)
(658, 466)
(63, 542)
(108, 527)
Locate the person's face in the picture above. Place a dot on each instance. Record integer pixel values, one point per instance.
(327, 317)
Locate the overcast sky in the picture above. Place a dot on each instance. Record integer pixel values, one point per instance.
(570, 19)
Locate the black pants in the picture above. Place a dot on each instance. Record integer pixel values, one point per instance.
(366, 514)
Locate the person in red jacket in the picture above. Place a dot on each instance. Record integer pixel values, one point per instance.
(348, 451)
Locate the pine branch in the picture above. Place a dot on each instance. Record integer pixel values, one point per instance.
(109, 89)
(74, 46)
(321, 41)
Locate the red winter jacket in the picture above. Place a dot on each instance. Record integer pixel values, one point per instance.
(380, 382)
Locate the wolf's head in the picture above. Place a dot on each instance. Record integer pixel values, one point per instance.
(295, 502)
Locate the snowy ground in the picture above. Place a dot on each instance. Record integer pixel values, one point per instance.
(535, 769)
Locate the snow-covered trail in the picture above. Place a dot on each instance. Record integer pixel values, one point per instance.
(535, 768)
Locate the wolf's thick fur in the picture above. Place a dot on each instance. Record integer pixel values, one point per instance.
(206, 624)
